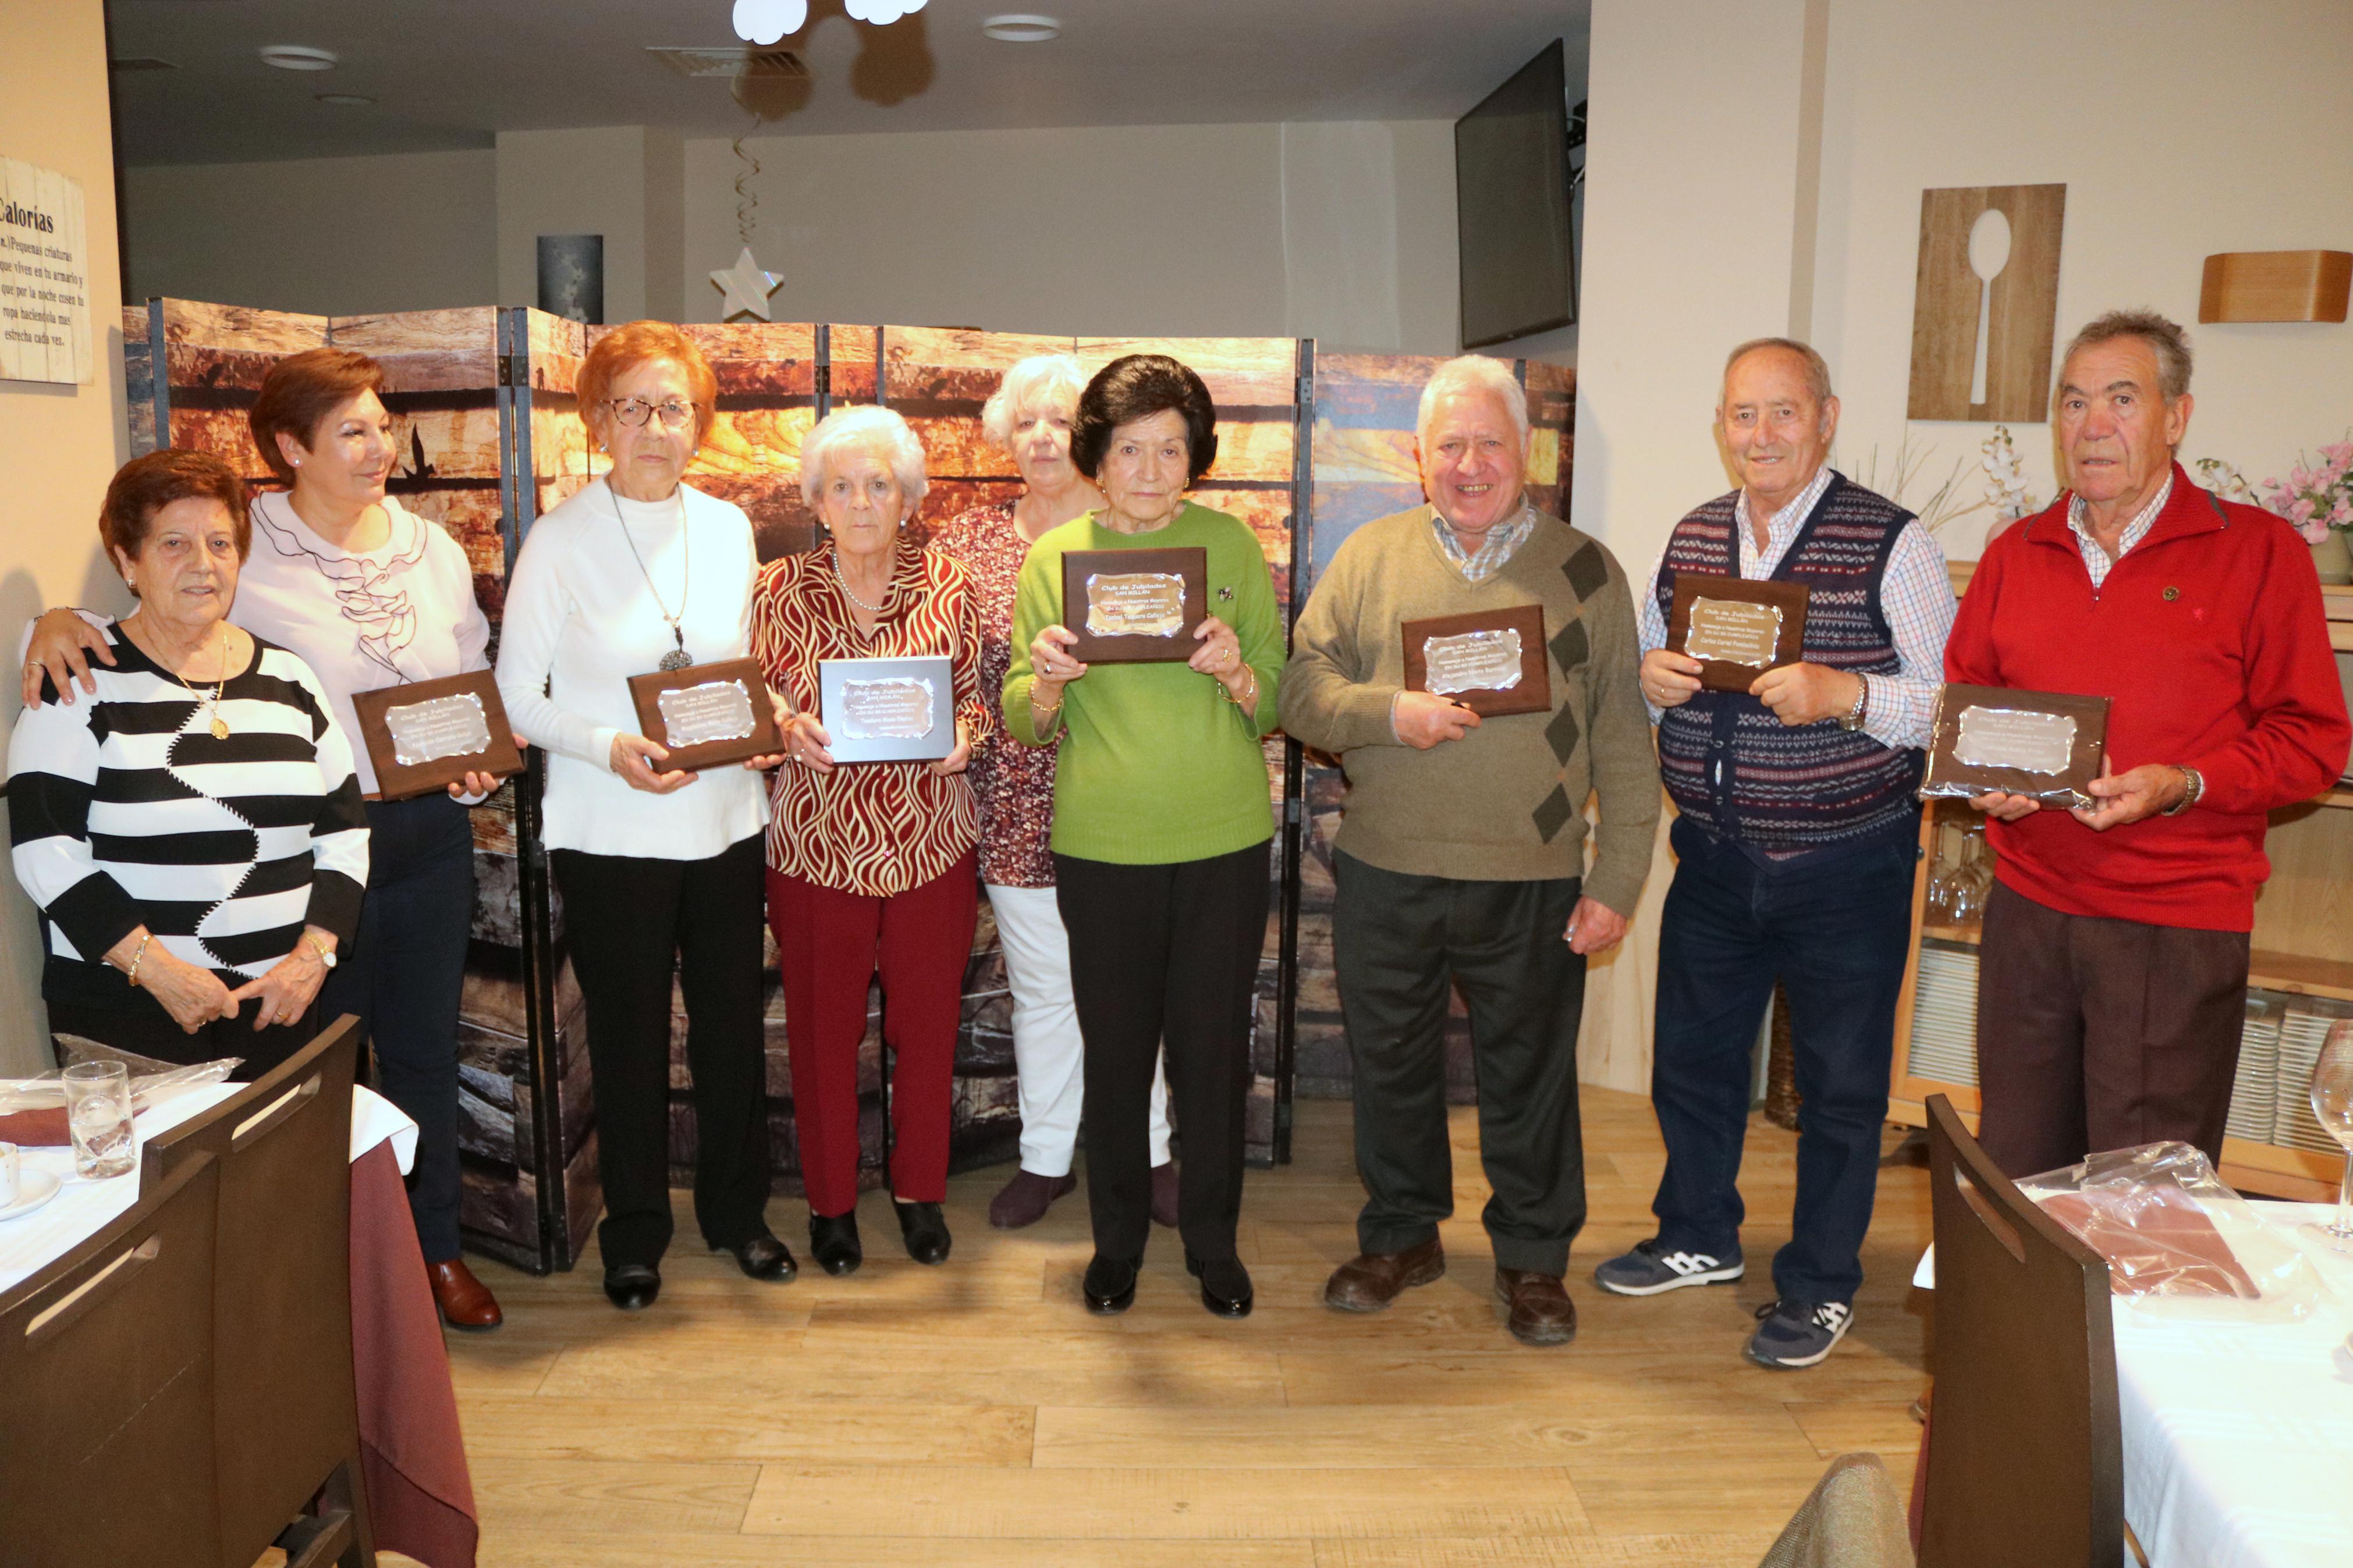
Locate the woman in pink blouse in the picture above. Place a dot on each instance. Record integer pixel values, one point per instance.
(1029, 417)
(869, 863)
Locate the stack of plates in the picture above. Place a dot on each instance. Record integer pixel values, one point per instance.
(2302, 1034)
(1945, 1014)
(2254, 1088)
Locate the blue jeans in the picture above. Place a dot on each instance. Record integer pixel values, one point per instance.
(1835, 932)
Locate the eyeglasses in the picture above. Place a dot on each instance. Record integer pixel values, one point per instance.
(635, 411)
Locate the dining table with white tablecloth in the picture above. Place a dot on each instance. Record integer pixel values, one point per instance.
(2238, 1432)
(420, 1494)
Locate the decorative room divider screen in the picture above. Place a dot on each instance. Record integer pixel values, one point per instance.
(1308, 451)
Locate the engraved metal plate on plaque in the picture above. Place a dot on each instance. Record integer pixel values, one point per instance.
(1733, 631)
(1472, 661)
(897, 708)
(453, 726)
(1135, 604)
(698, 715)
(2013, 738)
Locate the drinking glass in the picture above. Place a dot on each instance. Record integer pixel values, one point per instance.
(98, 1115)
(2332, 1104)
(10, 1176)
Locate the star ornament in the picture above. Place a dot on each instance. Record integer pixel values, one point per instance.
(746, 287)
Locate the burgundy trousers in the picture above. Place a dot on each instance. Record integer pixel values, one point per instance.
(2102, 1034)
(830, 944)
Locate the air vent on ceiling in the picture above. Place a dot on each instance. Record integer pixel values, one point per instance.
(141, 63)
(733, 61)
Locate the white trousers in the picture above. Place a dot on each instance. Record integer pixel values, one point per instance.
(1048, 1052)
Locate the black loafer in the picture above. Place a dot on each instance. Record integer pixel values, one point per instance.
(763, 1258)
(833, 1242)
(632, 1287)
(926, 1230)
(1110, 1285)
(1225, 1286)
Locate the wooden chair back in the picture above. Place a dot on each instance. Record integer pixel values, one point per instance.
(106, 1392)
(2025, 1457)
(288, 1411)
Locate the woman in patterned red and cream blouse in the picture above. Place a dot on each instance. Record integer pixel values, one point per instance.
(869, 865)
(1029, 417)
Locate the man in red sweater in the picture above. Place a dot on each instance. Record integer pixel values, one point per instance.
(2112, 981)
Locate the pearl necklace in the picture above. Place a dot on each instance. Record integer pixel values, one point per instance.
(843, 583)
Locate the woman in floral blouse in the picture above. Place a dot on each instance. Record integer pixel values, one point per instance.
(1029, 417)
(870, 865)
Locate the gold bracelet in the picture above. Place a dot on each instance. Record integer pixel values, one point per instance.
(1236, 702)
(1046, 707)
(131, 975)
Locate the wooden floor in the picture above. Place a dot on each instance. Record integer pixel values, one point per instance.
(975, 1415)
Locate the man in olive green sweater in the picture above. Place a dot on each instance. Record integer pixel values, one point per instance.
(1460, 855)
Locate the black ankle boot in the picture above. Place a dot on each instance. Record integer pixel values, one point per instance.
(926, 1230)
(833, 1242)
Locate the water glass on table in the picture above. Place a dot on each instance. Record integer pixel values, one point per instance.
(98, 1116)
(11, 1176)
(2332, 1105)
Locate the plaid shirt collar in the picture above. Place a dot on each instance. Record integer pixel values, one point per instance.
(2135, 532)
(1782, 526)
(1494, 550)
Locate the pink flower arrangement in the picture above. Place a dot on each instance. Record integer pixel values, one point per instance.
(2318, 497)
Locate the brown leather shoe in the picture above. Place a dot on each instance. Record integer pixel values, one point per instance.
(1164, 1194)
(1371, 1280)
(1025, 1199)
(465, 1301)
(1536, 1309)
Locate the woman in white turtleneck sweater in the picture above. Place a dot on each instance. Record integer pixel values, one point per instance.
(654, 867)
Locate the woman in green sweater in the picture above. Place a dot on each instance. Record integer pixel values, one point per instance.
(1162, 820)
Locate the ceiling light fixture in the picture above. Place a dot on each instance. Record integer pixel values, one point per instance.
(299, 58)
(345, 99)
(1023, 27)
(880, 12)
(763, 22)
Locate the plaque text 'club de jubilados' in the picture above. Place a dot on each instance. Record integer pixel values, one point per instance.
(425, 735)
(1737, 628)
(887, 710)
(706, 714)
(1136, 607)
(1490, 661)
(1989, 739)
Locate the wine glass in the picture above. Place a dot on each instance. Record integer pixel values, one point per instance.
(2332, 1105)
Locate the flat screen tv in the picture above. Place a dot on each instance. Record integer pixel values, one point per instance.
(1513, 205)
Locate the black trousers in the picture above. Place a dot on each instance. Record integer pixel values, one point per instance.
(404, 975)
(2102, 1034)
(1165, 955)
(1396, 942)
(628, 920)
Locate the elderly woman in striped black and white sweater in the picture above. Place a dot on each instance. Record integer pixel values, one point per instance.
(193, 836)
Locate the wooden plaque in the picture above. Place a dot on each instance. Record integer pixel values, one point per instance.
(1745, 627)
(1117, 601)
(699, 700)
(1981, 345)
(888, 709)
(1506, 646)
(2047, 744)
(425, 735)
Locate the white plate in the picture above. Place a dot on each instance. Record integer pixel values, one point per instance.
(33, 1188)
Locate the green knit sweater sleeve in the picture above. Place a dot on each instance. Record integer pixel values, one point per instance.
(1330, 700)
(1618, 746)
(1258, 627)
(1037, 604)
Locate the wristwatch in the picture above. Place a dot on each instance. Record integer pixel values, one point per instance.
(326, 954)
(1852, 718)
(2197, 783)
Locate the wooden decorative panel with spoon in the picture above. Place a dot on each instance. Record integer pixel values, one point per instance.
(1986, 304)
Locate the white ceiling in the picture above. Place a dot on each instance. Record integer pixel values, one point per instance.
(453, 73)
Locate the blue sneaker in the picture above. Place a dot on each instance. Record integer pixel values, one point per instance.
(1647, 1271)
(1793, 1334)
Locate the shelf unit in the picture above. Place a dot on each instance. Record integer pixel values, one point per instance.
(2302, 947)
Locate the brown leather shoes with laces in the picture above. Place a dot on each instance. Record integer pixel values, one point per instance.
(1371, 1280)
(465, 1301)
(1536, 1309)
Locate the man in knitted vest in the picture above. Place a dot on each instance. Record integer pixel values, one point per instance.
(1461, 856)
(1794, 847)
(2111, 985)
